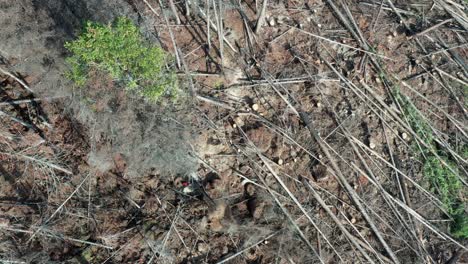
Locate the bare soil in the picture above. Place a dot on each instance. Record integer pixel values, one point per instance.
(97, 175)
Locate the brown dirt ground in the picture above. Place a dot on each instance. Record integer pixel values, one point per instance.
(90, 210)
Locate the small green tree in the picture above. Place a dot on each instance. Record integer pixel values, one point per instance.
(121, 51)
(442, 173)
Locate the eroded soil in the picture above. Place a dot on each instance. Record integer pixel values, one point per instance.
(96, 175)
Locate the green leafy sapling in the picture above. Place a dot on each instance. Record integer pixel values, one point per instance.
(120, 50)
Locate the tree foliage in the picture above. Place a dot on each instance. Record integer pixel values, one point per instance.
(441, 172)
(120, 50)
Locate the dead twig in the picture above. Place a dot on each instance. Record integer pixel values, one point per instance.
(266, 162)
(53, 235)
(341, 44)
(429, 29)
(167, 25)
(247, 248)
(214, 101)
(455, 12)
(261, 17)
(39, 161)
(25, 86)
(174, 11)
(324, 206)
(215, 28)
(58, 208)
(17, 120)
(351, 192)
(33, 100)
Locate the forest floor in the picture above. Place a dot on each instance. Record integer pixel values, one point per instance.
(316, 131)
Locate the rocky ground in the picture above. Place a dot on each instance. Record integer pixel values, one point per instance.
(287, 146)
